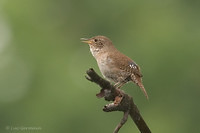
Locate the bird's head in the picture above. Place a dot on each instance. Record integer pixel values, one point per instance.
(98, 44)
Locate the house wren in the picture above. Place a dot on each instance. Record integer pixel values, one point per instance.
(114, 65)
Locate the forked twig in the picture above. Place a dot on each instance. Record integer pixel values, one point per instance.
(122, 102)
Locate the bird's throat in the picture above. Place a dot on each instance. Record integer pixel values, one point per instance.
(94, 51)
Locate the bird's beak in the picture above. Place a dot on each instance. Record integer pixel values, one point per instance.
(86, 40)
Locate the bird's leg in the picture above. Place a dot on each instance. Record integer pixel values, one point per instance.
(118, 85)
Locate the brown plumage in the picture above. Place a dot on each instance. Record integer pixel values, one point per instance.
(114, 65)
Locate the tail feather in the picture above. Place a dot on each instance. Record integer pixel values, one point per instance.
(138, 80)
(143, 89)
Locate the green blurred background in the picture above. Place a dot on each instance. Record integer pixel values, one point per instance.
(43, 64)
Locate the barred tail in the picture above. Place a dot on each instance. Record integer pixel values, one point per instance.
(143, 89)
(138, 80)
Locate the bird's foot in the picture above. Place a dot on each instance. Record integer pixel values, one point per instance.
(118, 100)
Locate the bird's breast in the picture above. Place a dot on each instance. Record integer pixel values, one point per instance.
(106, 66)
(104, 62)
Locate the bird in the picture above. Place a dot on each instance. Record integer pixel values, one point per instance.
(114, 66)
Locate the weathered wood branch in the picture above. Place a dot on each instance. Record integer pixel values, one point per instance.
(122, 102)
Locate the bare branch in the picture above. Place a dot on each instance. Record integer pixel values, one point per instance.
(122, 102)
(122, 122)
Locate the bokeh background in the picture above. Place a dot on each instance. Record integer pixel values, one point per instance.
(43, 64)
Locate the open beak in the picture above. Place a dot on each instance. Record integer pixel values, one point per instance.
(86, 40)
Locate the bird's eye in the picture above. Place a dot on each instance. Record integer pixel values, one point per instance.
(95, 40)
